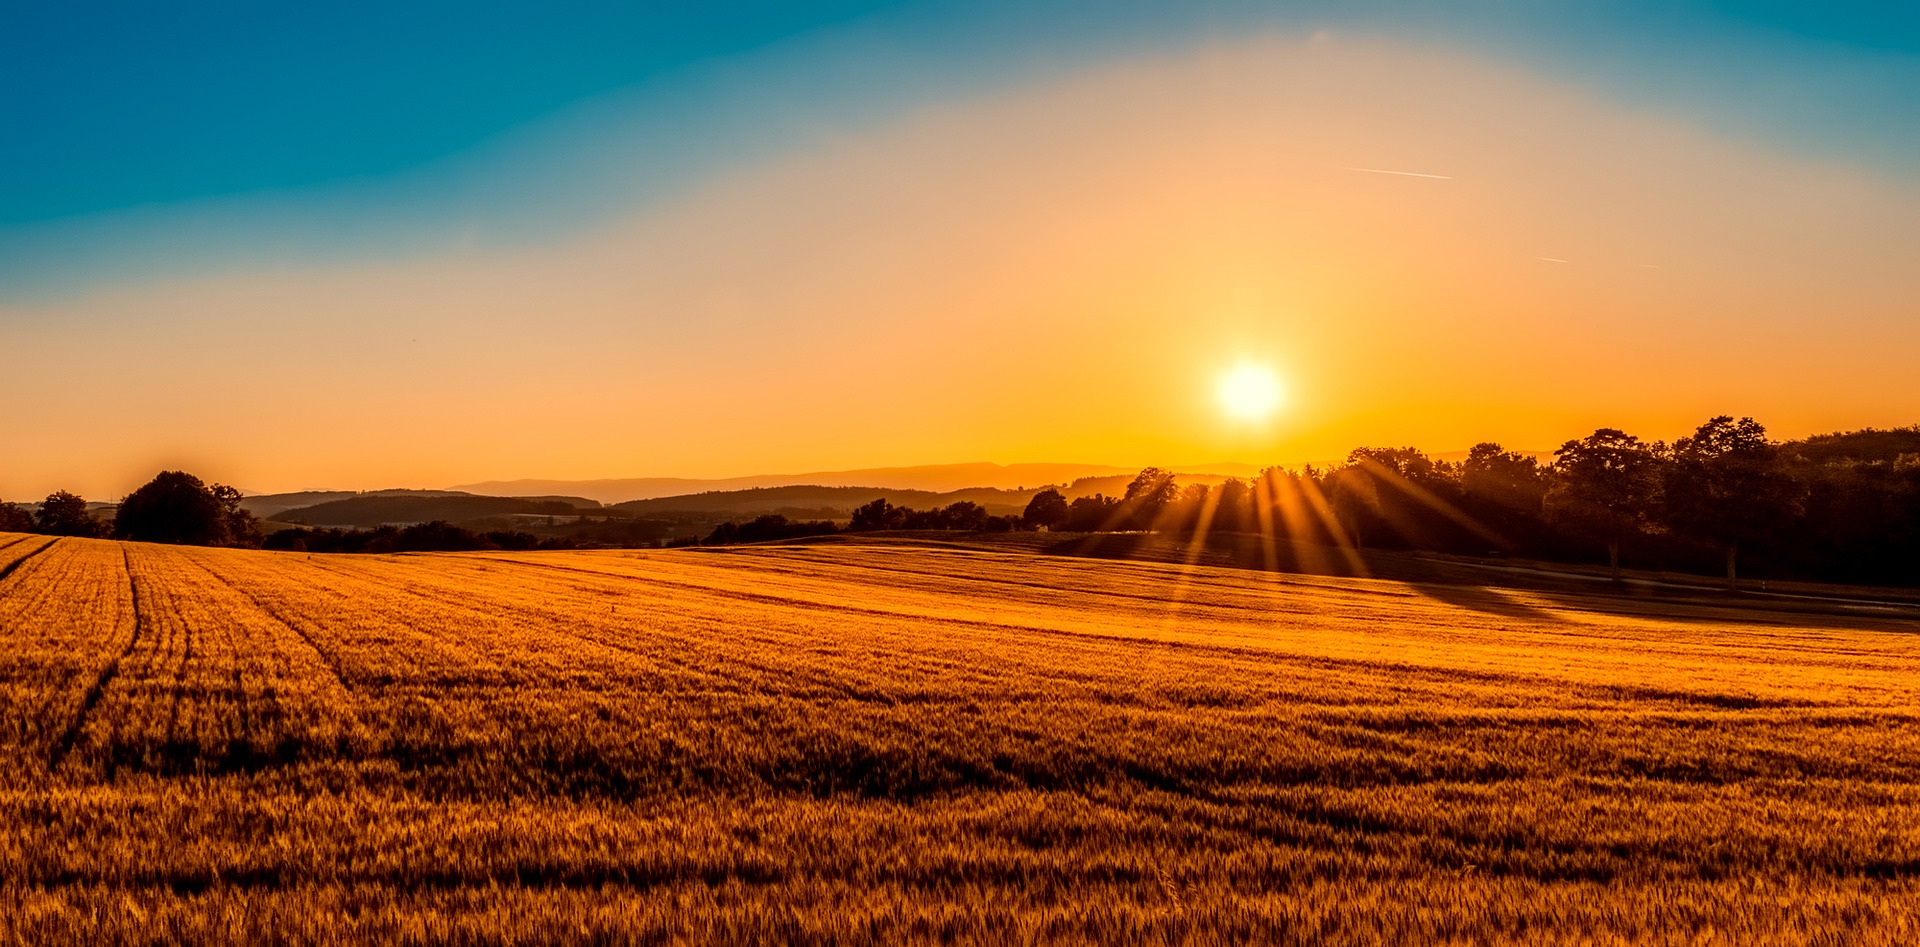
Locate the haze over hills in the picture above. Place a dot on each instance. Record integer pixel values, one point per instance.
(269, 505)
(824, 502)
(393, 507)
(932, 478)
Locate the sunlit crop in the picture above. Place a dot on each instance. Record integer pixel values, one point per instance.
(876, 743)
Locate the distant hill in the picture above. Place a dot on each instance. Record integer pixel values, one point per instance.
(821, 502)
(937, 478)
(370, 510)
(269, 505)
(812, 501)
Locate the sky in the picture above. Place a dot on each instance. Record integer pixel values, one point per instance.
(377, 245)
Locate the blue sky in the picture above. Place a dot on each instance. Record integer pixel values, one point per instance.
(435, 244)
(271, 131)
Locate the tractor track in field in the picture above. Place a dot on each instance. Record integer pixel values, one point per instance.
(64, 746)
(9, 568)
(327, 660)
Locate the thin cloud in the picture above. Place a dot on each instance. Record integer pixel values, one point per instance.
(1404, 174)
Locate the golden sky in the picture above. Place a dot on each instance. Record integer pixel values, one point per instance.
(1059, 271)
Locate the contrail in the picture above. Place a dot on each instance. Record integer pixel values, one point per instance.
(1550, 259)
(1407, 174)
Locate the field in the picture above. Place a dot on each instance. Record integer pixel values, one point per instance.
(851, 743)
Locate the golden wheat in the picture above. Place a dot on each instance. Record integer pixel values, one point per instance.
(872, 743)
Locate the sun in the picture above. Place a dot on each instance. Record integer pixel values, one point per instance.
(1250, 392)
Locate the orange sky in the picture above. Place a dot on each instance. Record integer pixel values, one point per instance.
(1055, 273)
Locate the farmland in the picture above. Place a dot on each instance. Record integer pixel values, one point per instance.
(871, 742)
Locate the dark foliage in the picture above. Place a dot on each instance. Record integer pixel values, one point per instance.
(1093, 514)
(1842, 506)
(763, 528)
(961, 515)
(435, 536)
(176, 507)
(14, 519)
(1047, 509)
(65, 514)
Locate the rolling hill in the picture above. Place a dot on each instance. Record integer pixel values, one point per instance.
(370, 510)
(938, 478)
(830, 502)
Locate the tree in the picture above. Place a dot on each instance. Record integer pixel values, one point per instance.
(1400, 496)
(1505, 490)
(242, 528)
(1504, 478)
(1232, 506)
(1604, 486)
(1353, 497)
(65, 514)
(1048, 509)
(964, 514)
(1724, 487)
(14, 519)
(1091, 514)
(1149, 493)
(176, 507)
(879, 514)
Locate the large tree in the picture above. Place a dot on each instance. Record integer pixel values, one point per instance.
(1504, 478)
(1353, 496)
(1151, 491)
(1048, 509)
(176, 507)
(1726, 487)
(1505, 490)
(1232, 503)
(1605, 485)
(65, 514)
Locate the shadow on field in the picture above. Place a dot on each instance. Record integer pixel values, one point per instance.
(1458, 581)
(1486, 599)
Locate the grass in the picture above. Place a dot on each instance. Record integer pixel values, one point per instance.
(876, 743)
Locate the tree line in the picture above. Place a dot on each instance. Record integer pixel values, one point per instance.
(174, 507)
(432, 536)
(178, 507)
(1840, 506)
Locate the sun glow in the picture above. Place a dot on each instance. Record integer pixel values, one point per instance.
(1250, 392)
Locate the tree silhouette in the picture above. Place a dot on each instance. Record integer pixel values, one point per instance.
(65, 514)
(1232, 506)
(1048, 508)
(1504, 478)
(14, 519)
(1149, 494)
(176, 507)
(1091, 514)
(1725, 488)
(1353, 496)
(242, 528)
(1505, 490)
(964, 514)
(879, 514)
(1605, 484)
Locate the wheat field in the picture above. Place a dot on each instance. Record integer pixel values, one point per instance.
(882, 743)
